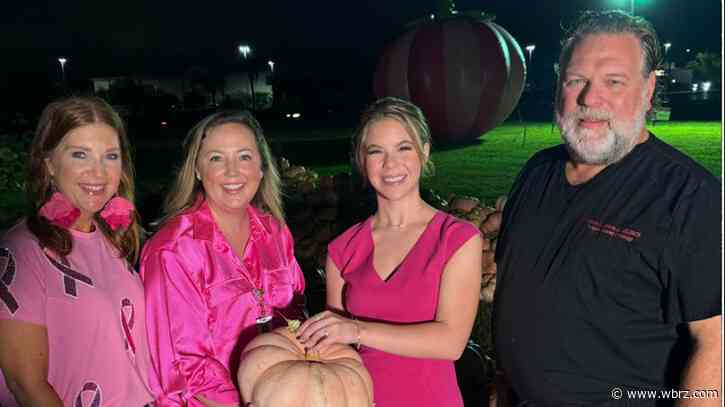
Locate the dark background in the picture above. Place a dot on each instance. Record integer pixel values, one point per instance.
(331, 44)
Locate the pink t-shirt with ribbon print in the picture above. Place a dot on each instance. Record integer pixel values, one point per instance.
(92, 305)
(204, 302)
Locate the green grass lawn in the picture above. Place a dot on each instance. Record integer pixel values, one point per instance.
(485, 169)
(488, 168)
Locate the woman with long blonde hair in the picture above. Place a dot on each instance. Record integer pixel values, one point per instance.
(221, 268)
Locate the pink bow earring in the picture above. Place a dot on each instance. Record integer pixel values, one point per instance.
(59, 211)
(117, 213)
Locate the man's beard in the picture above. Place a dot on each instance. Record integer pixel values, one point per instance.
(586, 146)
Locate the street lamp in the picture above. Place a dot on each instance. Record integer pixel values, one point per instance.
(246, 51)
(667, 47)
(62, 67)
(631, 4)
(271, 65)
(530, 49)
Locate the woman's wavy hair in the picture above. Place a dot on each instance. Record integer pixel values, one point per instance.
(186, 187)
(57, 120)
(405, 112)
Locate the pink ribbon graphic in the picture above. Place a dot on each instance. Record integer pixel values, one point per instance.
(70, 276)
(127, 323)
(7, 275)
(95, 401)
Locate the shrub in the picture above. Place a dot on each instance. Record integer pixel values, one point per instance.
(12, 180)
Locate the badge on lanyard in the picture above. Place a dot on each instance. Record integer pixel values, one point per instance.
(265, 314)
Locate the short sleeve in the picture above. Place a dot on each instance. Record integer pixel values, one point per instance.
(695, 261)
(23, 292)
(350, 246)
(457, 232)
(334, 252)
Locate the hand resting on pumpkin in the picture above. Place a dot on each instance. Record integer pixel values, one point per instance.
(443, 338)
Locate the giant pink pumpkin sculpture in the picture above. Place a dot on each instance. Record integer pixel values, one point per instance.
(466, 74)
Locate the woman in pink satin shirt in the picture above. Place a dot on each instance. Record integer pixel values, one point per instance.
(221, 268)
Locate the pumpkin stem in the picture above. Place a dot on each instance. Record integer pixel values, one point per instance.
(292, 324)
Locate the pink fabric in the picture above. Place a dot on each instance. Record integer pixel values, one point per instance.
(409, 295)
(118, 212)
(92, 306)
(201, 308)
(59, 211)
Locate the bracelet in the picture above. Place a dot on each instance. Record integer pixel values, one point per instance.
(357, 342)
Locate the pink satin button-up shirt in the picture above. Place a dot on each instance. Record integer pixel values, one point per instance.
(203, 301)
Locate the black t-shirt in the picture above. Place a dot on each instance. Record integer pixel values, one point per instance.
(594, 280)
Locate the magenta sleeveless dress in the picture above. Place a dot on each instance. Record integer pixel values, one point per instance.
(409, 295)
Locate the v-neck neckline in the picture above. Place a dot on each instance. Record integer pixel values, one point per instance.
(395, 269)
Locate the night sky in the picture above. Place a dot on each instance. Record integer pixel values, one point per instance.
(339, 40)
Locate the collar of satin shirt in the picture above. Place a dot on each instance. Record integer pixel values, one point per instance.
(205, 227)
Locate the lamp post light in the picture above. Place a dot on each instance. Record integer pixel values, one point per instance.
(271, 65)
(246, 51)
(667, 46)
(62, 67)
(530, 49)
(618, 4)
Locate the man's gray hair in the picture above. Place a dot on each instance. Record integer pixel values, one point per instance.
(614, 22)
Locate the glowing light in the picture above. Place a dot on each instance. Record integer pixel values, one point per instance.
(245, 50)
(296, 115)
(530, 49)
(62, 67)
(706, 86)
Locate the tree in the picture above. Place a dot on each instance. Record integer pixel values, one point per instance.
(202, 80)
(706, 67)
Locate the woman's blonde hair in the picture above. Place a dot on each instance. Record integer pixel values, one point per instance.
(186, 186)
(405, 112)
(57, 120)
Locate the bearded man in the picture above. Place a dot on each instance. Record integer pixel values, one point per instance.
(609, 254)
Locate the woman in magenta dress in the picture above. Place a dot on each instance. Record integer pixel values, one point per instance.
(221, 268)
(402, 285)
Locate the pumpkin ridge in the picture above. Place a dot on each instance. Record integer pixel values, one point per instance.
(274, 373)
(341, 380)
(350, 370)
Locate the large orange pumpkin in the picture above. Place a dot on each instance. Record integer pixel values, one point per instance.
(276, 371)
